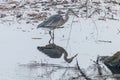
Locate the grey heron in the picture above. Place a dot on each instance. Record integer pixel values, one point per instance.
(55, 51)
(55, 21)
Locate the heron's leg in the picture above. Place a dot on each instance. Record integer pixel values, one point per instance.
(53, 36)
(50, 41)
(50, 34)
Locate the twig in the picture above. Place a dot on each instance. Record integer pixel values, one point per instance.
(81, 72)
(118, 31)
(69, 33)
(36, 38)
(105, 41)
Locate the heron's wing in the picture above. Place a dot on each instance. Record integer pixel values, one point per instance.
(53, 21)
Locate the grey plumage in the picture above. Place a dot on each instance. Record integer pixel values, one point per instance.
(56, 20)
(52, 22)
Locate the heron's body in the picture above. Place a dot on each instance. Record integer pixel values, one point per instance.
(54, 51)
(56, 20)
(53, 22)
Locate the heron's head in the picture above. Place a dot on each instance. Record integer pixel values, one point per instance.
(39, 26)
(71, 11)
(71, 59)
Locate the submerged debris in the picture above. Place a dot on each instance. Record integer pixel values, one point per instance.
(112, 62)
(104, 41)
(35, 64)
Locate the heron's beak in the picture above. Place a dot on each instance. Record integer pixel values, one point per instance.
(74, 13)
(75, 55)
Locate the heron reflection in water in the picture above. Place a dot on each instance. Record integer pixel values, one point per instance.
(55, 51)
(55, 21)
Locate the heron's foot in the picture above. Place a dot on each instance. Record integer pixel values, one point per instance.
(51, 39)
(52, 36)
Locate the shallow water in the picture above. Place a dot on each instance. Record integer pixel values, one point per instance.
(18, 47)
(86, 37)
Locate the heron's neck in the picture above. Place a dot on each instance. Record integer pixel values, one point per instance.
(69, 60)
(62, 50)
(65, 56)
(66, 17)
